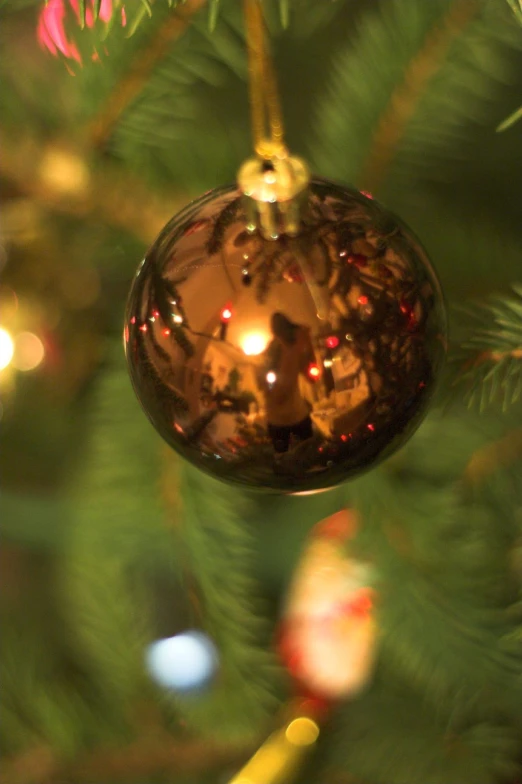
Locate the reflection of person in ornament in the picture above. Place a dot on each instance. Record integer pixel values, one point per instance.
(288, 356)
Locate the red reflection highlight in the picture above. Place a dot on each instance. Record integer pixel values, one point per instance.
(313, 371)
(363, 299)
(332, 341)
(371, 427)
(357, 259)
(143, 328)
(166, 332)
(226, 313)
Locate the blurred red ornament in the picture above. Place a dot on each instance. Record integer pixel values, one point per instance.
(53, 16)
(341, 525)
(328, 636)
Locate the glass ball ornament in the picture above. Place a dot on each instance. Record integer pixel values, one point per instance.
(285, 363)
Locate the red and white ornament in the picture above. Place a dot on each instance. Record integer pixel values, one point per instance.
(328, 638)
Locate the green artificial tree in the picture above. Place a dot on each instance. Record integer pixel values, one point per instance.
(110, 541)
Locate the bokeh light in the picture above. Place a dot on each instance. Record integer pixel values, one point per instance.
(6, 348)
(28, 351)
(182, 663)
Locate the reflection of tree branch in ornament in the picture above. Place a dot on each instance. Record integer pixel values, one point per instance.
(224, 219)
(164, 395)
(228, 276)
(163, 294)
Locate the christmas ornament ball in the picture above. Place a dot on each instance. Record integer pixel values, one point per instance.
(291, 363)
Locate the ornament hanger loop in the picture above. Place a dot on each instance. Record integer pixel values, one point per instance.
(267, 121)
(274, 183)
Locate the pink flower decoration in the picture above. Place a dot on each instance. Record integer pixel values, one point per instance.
(51, 24)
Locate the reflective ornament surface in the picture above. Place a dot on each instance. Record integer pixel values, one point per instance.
(289, 364)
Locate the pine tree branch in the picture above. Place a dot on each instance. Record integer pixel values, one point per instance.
(489, 360)
(494, 457)
(435, 115)
(404, 99)
(146, 756)
(140, 71)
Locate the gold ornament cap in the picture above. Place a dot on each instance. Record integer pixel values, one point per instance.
(275, 191)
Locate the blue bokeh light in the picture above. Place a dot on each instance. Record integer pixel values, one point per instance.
(184, 663)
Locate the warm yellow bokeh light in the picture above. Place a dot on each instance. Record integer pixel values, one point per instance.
(6, 348)
(28, 351)
(254, 343)
(302, 731)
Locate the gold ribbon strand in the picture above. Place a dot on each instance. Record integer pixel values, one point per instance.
(267, 121)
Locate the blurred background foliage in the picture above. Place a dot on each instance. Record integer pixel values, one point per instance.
(400, 97)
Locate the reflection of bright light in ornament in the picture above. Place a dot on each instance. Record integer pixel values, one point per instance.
(332, 341)
(371, 427)
(328, 362)
(166, 332)
(152, 318)
(254, 343)
(143, 328)
(184, 662)
(226, 313)
(271, 377)
(269, 177)
(28, 351)
(6, 348)
(177, 318)
(363, 300)
(367, 194)
(313, 371)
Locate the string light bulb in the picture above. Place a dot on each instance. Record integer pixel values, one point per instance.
(6, 348)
